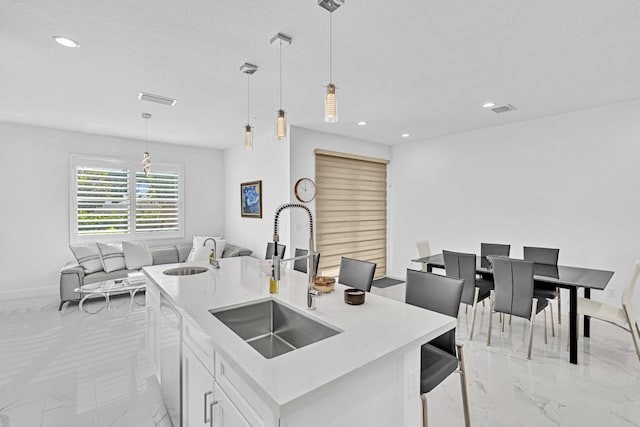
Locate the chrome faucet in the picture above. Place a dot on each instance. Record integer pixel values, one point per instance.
(214, 262)
(275, 273)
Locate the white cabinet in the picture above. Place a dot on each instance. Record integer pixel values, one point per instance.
(197, 391)
(152, 297)
(226, 414)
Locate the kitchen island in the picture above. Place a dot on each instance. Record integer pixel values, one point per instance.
(367, 374)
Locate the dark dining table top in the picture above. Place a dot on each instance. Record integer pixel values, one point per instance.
(560, 275)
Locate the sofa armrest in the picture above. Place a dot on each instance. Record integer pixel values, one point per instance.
(231, 250)
(71, 277)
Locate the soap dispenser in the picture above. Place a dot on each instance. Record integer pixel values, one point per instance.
(212, 259)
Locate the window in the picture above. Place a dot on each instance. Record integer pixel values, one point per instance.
(114, 198)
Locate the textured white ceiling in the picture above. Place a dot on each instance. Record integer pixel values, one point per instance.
(422, 67)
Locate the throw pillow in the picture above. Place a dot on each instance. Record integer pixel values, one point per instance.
(201, 253)
(111, 256)
(87, 256)
(136, 254)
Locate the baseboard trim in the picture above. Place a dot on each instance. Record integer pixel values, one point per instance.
(47, 291)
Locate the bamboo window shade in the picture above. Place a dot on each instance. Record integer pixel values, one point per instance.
(351, 211)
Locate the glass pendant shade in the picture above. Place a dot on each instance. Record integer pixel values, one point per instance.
(146, 163)
(281, 125)
(330, 105)
(248, 138)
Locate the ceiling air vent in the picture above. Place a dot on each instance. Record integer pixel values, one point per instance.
(504, 108)
(143, 96)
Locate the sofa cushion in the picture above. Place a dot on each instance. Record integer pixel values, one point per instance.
(136, 254)
(164, 255)
(111, 256)
(184, 249)
(200, 252)
(88, 256)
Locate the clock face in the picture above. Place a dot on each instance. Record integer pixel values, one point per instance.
(305, 190)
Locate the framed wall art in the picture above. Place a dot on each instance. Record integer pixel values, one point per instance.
(251, 199)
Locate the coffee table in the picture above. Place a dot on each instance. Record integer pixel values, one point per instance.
(106, 289)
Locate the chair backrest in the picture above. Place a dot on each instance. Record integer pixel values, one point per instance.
(436, 293)
(462, 266)
(357, 274)
(513, 281)
(494, 249)
(423, 248)
(301, 264)
(627, 294)
(269, 253)
(541, 255)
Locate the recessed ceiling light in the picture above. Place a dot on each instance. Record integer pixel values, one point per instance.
(159, 99)
(489, 105)
(66, 41)
(405, 135)
(362, 123)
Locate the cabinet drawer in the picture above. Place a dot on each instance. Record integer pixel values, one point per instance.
(199, 342)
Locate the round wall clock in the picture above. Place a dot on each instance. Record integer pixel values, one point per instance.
(305, 190)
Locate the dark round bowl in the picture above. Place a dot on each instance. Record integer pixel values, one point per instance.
(354, 296)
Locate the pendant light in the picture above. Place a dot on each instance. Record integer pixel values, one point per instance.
(330, 101)
(248, 69)
(281, 123)
(146, 161)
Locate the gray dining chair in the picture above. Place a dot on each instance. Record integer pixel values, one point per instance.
(301, 264)
(441, 356)
(356, 273)
(463, 266)
(546, 257)
(513, 294)
(492, 249)
(270, 251)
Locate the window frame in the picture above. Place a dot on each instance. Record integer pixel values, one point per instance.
(79, 160)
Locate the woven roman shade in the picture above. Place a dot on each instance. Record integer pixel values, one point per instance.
(351, 210)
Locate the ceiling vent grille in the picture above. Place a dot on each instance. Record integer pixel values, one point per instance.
(158, 99)
(504, 109)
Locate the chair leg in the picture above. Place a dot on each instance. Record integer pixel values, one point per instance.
(502, 317)
(544, 312)
(61, 304)
(534, 307)
(631, 322)
(510, 316)
(425, 423)
(553, 328)
(473, 315)
(559, 307)
(463, 386)
(466, 308)
(490, 318)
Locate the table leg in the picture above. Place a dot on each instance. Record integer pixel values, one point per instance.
(573, 325)
(587, 319)
(429, 268)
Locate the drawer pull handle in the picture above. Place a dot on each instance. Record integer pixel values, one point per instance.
(214, 403)
(206, 404)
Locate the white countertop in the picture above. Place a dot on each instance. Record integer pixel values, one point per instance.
(379, 328)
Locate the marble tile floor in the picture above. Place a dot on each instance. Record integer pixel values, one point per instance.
(72, 369)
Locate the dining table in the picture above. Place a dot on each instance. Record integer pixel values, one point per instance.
(561, 276)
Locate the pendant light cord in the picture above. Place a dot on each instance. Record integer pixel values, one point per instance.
(248, 99)
(146, 135)
(330, 47)
(281, 74)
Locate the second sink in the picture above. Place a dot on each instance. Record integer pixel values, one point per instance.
(272, 328)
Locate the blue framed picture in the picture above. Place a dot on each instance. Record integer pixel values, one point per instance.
(251, 199)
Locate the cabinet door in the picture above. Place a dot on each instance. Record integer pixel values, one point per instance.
(152, 302)
(197, 391)
(226, 414)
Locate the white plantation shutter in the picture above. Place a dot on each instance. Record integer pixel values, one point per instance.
(157, 202)
(351, 210)
(102, 201)
(112, 198)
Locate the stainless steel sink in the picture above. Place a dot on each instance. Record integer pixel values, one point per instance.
(185, 271)
(272, 328)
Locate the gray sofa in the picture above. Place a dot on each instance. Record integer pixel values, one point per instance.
(72, 275)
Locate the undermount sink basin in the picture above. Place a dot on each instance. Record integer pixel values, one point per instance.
(185, 271)
(272, 328)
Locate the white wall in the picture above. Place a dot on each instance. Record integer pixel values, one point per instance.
(570, 181)
(268, 162)
(35, 196)
(303, 164)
